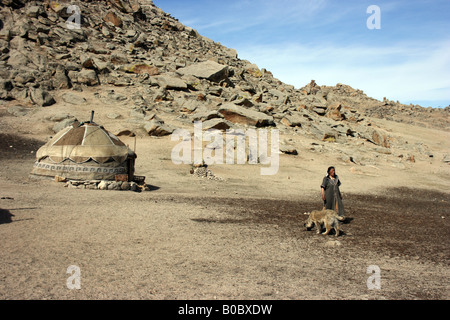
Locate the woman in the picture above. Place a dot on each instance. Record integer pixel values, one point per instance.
(331, 195)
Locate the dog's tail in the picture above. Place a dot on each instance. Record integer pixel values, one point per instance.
(340, 218)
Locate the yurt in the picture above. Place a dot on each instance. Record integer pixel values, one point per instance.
(84, 151)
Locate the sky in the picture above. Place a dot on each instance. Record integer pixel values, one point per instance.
(401, 51)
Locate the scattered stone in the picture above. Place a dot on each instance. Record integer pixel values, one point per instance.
(216, 123)
(168, 82)
(73, 98)
(59, 117)
(105, 185)
(64, 124)
(88, 77)
(18, 111)
(334, 112)
(34, 11)
(125, 133)
(142, 68)
(119, 59)
(157, 128)
(293, 120)
(134, 186)
(41, 97)
(61, 80)
(203, 172)
(209, 70)
(114, 19)
(113, 116)
(240, 115)
(290, 150)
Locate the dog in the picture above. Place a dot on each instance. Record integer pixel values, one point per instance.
(329, 218)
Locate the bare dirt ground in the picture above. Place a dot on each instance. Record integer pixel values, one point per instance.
(240, 238)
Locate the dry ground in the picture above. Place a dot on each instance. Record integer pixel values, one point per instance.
(240, 238)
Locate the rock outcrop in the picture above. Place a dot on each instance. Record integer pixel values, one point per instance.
(134, 44)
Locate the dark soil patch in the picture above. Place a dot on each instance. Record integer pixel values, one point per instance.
(405, 222)
(16, 147)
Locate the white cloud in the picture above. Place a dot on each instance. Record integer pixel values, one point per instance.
(240, 16)
(300, 40)
(404, 72)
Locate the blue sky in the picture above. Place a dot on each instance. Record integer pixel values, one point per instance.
(408, 59)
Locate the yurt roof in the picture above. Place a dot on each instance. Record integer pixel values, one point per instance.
(84, 142)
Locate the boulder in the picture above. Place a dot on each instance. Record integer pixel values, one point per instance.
(293, 120)
(73, 98)
(87, 61)
(244, 102)
(334, 112)
(170, 82)
(60, 9)
(125, 133)
(204, 114)
(63, 124)
(67, 36)
(125, 186)
(216, 123)
(35, 11)
(323, 131)
(287, 149)
(209, 70)
(59, 117)
(376, 137)
(106, 32)
(88, 77)
(41, 97)
(128, 6)
(134, 186)
(157, 128)
(114, 19)
(17, 59)
(189, 106)
(6, 85)
(241, 115)
(103, 185)
(114, 185)
(253, 70)
(142, 68)
(113, 116)
(18, 111)
(320, 110)
(61, 81)
(21, 79)
(5, 34)
(118, 58)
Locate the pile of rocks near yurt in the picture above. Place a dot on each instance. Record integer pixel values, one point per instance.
(107, 185)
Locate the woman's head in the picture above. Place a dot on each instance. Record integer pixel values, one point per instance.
(331, 171)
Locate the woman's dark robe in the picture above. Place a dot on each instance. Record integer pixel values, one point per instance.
(333, 194)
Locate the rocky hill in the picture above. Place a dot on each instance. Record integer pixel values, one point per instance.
(130, 52)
